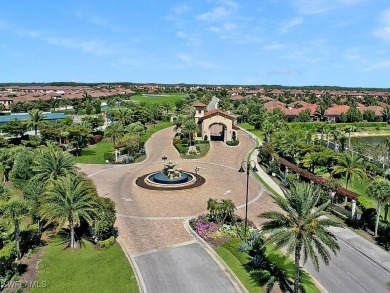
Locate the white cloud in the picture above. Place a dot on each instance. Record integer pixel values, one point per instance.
(322, 6)
(95, 47)
(379, 66)
(274, 47)
(281, 72)
(224, 29)
(216, 14)
(288, 26)
(384, 31)
(192, 40)
(181, 9)
(190, 62)
(229, 3)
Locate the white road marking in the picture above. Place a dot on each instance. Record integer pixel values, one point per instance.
(126, 199)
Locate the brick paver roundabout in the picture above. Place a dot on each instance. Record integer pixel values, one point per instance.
(151, 220)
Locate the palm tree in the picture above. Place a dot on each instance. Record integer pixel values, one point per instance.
(189, 127)
(68, 201)
(386, 114)
(227, 207)
(135, 128)
(50, 164)
(122, 116)
(380, 189)
(301, 227)
(15, 210)
(349, 166)
(212, 207)
(114, 132)
(320, 112)
(349, 129)
(36, 116)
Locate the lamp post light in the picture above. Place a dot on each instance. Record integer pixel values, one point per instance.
(196, 174)
(248, 166)
(164, 158)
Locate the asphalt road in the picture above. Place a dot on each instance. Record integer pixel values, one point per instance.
(350, 271)
(188, 269)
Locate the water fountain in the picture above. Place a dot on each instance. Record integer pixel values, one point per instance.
(170, 178)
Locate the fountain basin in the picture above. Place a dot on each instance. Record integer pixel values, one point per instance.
(161, 178)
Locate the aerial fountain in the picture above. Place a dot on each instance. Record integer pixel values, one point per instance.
(170, 178)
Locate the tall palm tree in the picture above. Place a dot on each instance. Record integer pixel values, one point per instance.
(15, 210)
(36, 116)
(349, 166)
(300, 227)
(68, 201)
(123, 116)
(380, 189)
(114, 132)
(50, 164)
(189, 127)
(349, 129)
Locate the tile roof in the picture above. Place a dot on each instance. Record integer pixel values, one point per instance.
(217, 112)
(336, 110)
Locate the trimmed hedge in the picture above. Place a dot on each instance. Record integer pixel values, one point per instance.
(107, 243)
(314, 125)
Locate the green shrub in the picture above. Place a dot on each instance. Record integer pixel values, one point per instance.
(7, 257)
(181, 148)
(30, 237)
(233, 142)
(306, 126)
(107, 243)
(109, 156)
(105, 219)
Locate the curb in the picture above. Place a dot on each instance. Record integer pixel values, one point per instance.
(370, 258)
(133, 264)
(220, 262)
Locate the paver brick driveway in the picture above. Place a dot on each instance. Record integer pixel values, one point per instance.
(150, 221)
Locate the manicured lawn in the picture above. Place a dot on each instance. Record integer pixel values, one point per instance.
(203, 148)
(154, 99)
(251, 128)
(153, 129)
(94, 154)
(237, 267)
(85, 270)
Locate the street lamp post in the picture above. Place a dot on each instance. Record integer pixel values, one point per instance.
(164, 158)
(196, 174)
(248, 166)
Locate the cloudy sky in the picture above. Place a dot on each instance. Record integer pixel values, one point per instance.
(286, 42)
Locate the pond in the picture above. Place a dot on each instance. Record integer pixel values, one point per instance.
(373, 140)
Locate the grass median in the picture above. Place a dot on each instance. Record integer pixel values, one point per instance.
(87, 269)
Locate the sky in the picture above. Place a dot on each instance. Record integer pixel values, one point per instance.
(247, 42)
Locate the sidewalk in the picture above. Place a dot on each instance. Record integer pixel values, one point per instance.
(360, 244)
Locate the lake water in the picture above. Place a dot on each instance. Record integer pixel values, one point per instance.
(373, 140)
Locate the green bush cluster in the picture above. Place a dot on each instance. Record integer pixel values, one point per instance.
(109, 156)
(30, 238)
(307, 126)
(7, 257)
(233, 142)
(107, 243)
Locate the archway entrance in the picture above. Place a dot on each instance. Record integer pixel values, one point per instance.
(217, 132)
